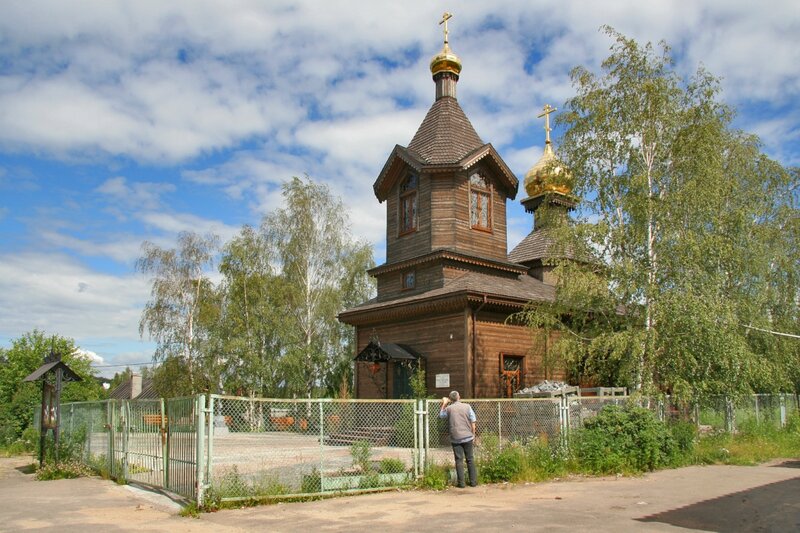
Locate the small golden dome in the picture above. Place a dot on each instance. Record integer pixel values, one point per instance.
(445, 61)
(547, 175)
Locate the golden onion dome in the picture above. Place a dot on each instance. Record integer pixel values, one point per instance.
(445, 61)
(547, 175)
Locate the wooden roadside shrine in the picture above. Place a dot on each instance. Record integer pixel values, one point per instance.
(53, 374)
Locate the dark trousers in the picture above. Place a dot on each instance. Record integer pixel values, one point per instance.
(464, 451)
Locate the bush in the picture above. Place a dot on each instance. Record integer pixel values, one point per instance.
(685, 435)
(63, 470)
(361, 451)
(500, 464)
(391, 465)
(544, 461)
(311, 483)
(624, 439)
(436, 477)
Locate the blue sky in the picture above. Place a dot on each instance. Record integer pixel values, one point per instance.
(122, 122)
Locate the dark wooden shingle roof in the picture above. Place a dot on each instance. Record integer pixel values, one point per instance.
(515, 291)
(446, 135)
(538, 245)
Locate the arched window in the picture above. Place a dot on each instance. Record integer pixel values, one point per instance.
(408, 204)
(480, 202)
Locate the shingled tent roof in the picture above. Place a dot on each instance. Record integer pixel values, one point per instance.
(446, 135)
(444, 140)
(534, 247)
(538, 245)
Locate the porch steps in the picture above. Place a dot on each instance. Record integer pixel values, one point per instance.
(377, 436)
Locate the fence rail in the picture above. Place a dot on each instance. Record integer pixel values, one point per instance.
(224, 448)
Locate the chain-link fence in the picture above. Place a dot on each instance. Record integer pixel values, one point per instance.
(152, 442)
(263, 448)
(226, 448)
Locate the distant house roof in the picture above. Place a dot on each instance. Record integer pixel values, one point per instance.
(123, 390)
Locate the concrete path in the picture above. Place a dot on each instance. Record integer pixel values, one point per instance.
(713, 498)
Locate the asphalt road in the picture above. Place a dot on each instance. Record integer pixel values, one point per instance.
(713, 498)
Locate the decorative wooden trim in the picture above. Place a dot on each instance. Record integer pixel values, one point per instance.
(453, 256)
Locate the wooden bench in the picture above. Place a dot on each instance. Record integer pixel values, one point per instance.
(153, 420)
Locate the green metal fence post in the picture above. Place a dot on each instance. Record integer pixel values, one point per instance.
(110, 412)
(125, 409)
(200, 448)
(321, 443)
(162, 428)
(210, 439)
(499, 426)
(417, 427)
(783, 410)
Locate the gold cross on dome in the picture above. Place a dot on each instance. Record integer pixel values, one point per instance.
(445, 17)
(546, 110)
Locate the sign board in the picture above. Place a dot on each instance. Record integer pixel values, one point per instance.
(442, 381)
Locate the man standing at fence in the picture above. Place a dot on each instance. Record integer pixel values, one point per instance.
(462, 421)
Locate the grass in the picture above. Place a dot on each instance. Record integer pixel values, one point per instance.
(751, 445)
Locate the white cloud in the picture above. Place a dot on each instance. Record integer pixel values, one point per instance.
(89, 356)
(142, 195)
(178, 222)
(44, 291)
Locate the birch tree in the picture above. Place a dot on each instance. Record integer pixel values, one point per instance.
(323, 269)
(181, 304)
(692, 227)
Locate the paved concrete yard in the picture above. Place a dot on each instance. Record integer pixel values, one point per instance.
(713, 498)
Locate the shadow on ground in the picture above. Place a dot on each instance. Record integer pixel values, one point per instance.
(772, 507)
(27, 469)
(788, 464)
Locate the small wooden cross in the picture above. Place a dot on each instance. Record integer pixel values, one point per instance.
(445, 17)
(546, 114)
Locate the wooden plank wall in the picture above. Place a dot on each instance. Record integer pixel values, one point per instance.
(428, 276)
(441, 339)
(450, 226)
(400, 248)
(495, 338)
(443, 220)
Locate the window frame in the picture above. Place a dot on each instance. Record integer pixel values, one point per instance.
(488, 193)
(411, 195)
(521, 371)
(404, 279)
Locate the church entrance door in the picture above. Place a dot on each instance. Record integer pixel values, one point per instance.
(511, 374)
(401, 386)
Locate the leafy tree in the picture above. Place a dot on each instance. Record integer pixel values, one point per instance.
(322, 271)
(250, 329)
(182, 305)
(19, 400)
(269, 328)
(693, 229)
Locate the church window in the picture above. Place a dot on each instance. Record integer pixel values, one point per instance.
(480, 202)
(409, 279)
(408, 204)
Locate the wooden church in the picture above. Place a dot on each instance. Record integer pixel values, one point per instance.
(449, 283)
